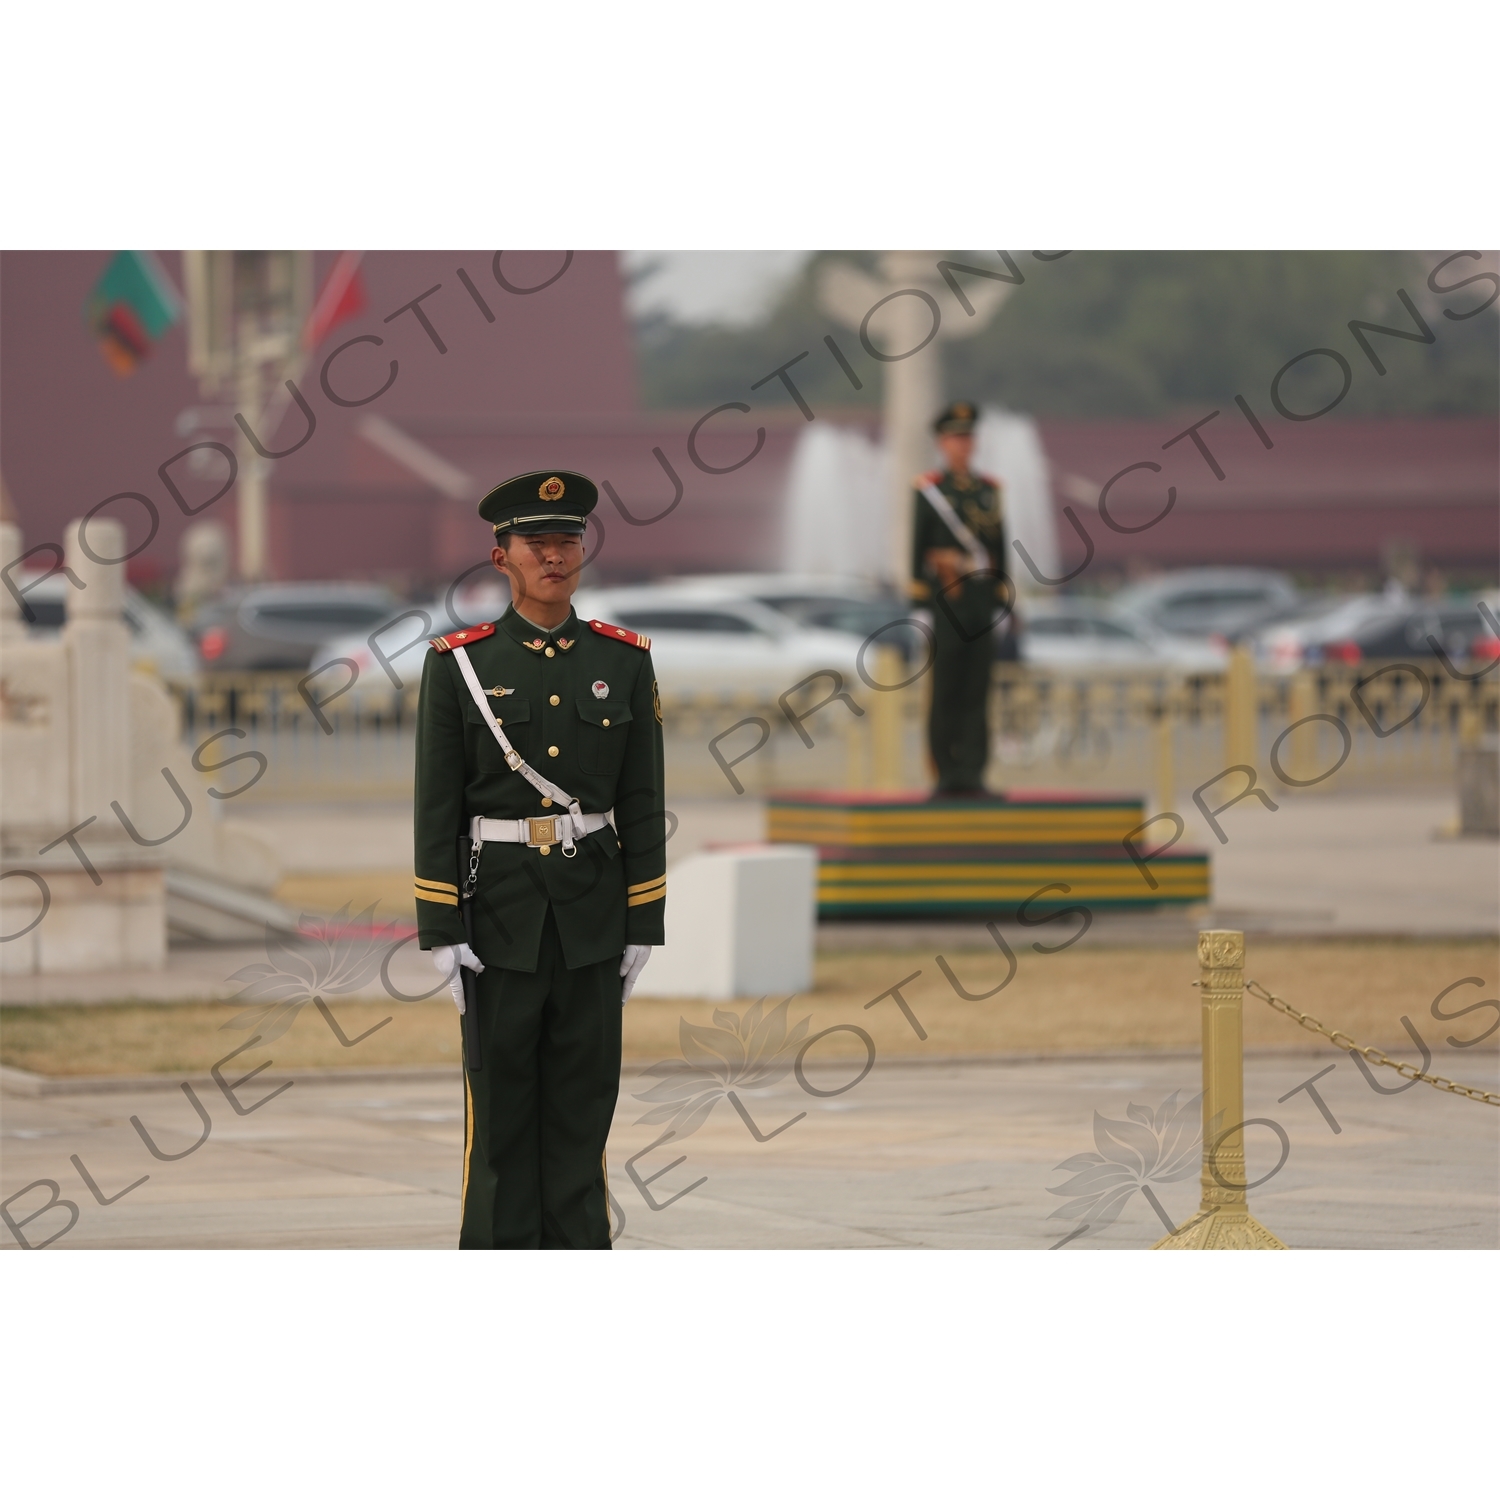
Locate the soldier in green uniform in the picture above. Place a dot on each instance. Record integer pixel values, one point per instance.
(958, 557)
(539, 739)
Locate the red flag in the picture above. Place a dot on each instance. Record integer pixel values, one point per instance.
(343, 297)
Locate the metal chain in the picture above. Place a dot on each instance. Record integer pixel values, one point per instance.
(1371, 1054)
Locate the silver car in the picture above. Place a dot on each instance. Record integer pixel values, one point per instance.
(1227, 602)
(1080, 635)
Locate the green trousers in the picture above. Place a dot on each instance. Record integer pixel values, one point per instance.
(537, 1113)
(958, 720)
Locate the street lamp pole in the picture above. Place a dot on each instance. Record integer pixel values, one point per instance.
(246, 311)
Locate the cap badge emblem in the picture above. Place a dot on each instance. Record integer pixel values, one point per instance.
(551, 489)
(601, 690)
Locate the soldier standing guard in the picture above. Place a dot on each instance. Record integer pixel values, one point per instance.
(958, 558)
(539, 746)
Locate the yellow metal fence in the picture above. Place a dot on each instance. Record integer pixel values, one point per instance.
(1151, 733)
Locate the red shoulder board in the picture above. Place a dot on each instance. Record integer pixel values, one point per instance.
(465, 637)
(619, 633)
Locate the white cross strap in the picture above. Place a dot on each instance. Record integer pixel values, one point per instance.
(513, 760)
(971, 544)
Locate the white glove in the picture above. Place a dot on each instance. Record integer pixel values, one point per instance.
(631, 965)
(448, 961)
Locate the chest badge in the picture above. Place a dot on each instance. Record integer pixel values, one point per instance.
(499, 692)
(600, 690)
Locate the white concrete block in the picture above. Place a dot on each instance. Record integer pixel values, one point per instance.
(740, 921)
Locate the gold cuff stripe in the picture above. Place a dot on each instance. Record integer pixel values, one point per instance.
(436, 885)
(646, 885)
(438, 898)
(656, 895)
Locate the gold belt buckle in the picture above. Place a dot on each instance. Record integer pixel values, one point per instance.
(540, 831)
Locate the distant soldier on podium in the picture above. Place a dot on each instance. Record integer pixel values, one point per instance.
(958, 556)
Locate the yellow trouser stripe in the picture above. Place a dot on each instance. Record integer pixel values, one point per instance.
(439, 898)
(436, 885)
(645, 885)
(463, 1196)
(656, 895)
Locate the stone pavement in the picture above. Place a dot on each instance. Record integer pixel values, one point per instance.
(917, 1154)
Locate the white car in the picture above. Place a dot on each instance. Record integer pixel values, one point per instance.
(157, 641)
(1079, 635)
(851, 606)
(710, 643)
(401, 638)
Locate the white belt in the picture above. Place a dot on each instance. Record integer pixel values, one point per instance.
(537, 833)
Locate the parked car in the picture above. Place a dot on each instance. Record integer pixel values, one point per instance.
(1379, 627)
(157, 641)
(278, 626)
(401, 636)
(704, 642)
(1227, 602)
(823, 602)
(1084, 635)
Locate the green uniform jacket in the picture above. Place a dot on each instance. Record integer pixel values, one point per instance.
(608, 754)
(978, 503)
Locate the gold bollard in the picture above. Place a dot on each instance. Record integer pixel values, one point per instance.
(1166, 769)
(1303, 746)
(1223, 1220)
(886, 722)
(1241, 721)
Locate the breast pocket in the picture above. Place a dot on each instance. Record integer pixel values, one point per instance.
(602, 733)
(513, 715)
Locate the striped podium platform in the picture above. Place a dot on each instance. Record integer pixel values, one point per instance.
(904, 856)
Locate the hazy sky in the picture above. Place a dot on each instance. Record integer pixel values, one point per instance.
(708, 286)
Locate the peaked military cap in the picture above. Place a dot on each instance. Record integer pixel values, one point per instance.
(541, 502)
(958, 418)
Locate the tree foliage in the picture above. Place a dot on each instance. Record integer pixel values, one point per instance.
(1126, 334)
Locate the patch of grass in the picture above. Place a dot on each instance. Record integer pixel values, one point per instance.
(1098, 1000)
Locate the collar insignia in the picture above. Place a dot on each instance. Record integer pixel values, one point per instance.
(565, 644)
(535, 645)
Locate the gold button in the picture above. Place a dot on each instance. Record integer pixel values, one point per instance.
(606, 723)
(552, 750)
(546, 802)
(554, 700)
(546, 849)
(498, 719)
(549, 652)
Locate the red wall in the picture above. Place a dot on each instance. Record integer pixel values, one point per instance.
(73, 433)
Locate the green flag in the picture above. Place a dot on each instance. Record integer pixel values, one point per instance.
(131, 306)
